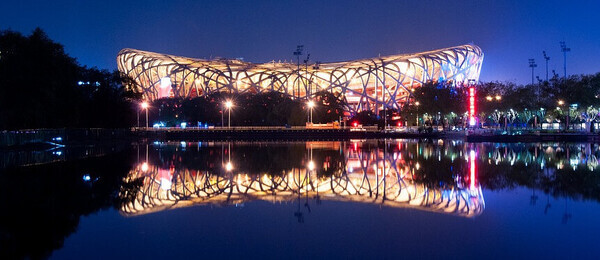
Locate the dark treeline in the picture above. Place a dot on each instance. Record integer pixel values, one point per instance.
(43, 87)
(262, 109)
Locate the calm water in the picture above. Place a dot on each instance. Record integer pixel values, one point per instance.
(344, 200)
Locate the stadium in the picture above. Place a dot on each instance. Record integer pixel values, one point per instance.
(366, 84)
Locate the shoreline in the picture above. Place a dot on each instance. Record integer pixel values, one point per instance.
(43, 138)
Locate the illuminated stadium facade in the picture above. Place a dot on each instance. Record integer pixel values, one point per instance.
(366, 84)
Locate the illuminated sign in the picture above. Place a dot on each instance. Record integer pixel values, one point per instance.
(472, 106)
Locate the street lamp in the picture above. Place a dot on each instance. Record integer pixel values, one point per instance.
(311, 105)
(145, 106)
(561, 103)
(417, 104)
(229, 104)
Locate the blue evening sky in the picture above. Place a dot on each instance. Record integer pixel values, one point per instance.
(509, 32)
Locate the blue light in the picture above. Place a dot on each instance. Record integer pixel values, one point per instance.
(183, 125)
(86, 177)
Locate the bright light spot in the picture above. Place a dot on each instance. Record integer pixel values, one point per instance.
(145, 167)
(144, 105)
(183, 144)
(560, 102)
(183, 125)
(165, 184)
(417, 166)
(311, 165)
(228, 166)
(165, 82)
(86, 177)
(310, 104)
(228, 104)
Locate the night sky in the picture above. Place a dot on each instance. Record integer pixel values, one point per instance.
(509, 32)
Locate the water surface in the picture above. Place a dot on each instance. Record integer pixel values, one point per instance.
(346, 199)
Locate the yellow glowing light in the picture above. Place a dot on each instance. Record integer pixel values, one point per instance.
(489, 98)
(498, 97)
(311, 165)
(228, 104)
(560, 102)
(228, 166)
(145, 167)
(310, 104)
(144, 105)
(417, 103)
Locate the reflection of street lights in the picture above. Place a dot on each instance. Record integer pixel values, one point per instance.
(229, 104)
(310, 105)
(145, 106)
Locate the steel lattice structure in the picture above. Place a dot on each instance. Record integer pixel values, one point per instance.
(367, 84)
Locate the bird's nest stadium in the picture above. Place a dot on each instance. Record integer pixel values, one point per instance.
(366, 84)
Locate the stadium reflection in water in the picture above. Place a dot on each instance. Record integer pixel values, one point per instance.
(122, 204)
(378, 172)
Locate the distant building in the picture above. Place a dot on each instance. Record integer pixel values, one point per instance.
(367, 84)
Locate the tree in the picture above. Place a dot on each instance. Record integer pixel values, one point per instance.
(41, 86)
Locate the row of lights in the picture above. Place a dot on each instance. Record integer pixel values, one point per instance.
(228, 104)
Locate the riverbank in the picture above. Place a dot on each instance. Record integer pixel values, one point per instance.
(43, 138)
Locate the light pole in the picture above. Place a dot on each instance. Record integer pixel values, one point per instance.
(306, 86)
(311, 105)
(560, 104)
(228, 104)
(145, 106)
(417, 104)
(297, 53)
(564, 49)
(532, 65)
(547, 59)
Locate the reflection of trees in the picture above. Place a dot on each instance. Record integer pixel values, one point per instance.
(556, 168)
(41, 205)
(565, 170)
